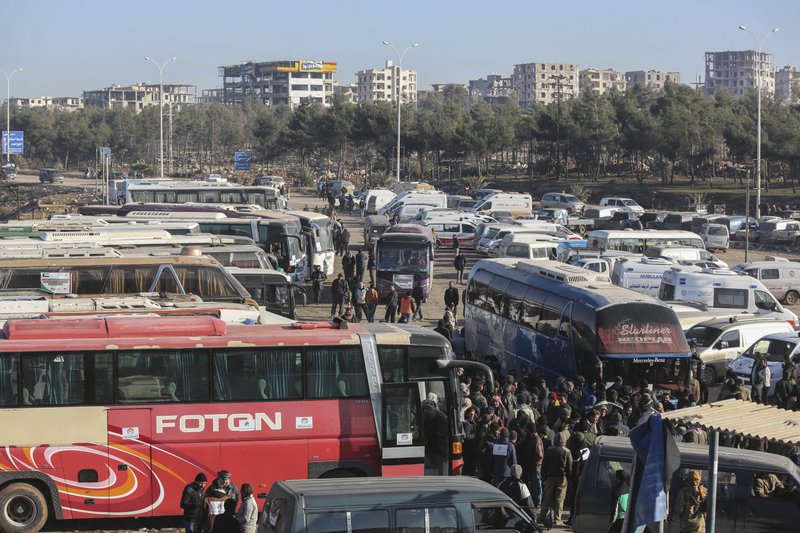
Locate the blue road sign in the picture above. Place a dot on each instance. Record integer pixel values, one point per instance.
(242, 160)
(17, 142)
(105, 151)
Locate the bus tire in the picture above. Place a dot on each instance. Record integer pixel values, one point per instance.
(791, 298)
(22, 509)
(339, 473)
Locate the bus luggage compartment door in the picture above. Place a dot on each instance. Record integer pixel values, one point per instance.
(133, 492)
(402, 434)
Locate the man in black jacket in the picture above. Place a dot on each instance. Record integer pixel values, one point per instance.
(460, 262)
(192, 503)
(451, 298)
(556, 468)
(392, 301)
(338, 292)
(318, 279)
(515, 489)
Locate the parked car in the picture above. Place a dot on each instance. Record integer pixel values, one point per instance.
(628, 205)
(51, 175)
(653, 219)
(780, 276)
(779, 348)
(570, 202)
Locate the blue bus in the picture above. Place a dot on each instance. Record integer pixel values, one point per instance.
(561, 320)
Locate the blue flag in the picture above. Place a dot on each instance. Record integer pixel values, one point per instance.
(651, 499)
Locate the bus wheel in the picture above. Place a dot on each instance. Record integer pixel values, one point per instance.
(709, 375)
(22, 509)
(791, 298)
(338, 474)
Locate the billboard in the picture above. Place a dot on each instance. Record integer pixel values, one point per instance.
(309, 65)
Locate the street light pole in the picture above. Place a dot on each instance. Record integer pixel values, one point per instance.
(397, 83)
(161, 103)
(758, 126)
(8, 111)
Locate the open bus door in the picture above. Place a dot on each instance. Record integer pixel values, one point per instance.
(402, 434)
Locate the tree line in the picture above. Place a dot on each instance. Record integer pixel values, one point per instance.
(640, 132)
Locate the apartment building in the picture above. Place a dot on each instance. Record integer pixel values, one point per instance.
(787, 85)
(736, 72)
(141, 95)
(376, 85)
(600, 80)
(277, 83)
(654, 79)
(68, 103)
(495, 90)
(348, 92)
(544, 83)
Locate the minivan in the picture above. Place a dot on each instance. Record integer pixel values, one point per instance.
(688, 254)
(715, 236)
(780, 276)
(719, 341)
(376, 199)
(51, 175)
(374, 226)
(390, 504)
(570, 202)
(739, 510)
(625, 204)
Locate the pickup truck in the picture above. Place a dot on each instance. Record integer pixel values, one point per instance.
(561, 216)
(785, 232)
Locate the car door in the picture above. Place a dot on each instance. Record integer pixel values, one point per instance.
(729, 499)
(777, 512)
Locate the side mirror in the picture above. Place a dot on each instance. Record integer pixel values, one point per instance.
(722, 345)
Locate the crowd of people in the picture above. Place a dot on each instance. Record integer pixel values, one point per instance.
(213, 509)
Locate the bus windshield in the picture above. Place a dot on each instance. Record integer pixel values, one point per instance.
(634, 329)
(403, 257)
(324, 238)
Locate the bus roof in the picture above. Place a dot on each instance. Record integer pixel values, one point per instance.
(191, 211)
(574, 283)
(310, 215)
(636, 234)
(55, 262)
(160, 332)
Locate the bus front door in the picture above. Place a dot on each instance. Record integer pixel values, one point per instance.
(130, 465)
(403, 431)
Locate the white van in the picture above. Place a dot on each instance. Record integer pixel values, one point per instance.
(525, 237)
(428, 198)
(530, 250)
(719, 341)
(641, 274)
(488, 235)
(685, 253)
(715, 236)
(778, 348)
(408, 212)
(517, 204)
(446, 230)
(376, 199)
(780, 276)
(720, 289)
(623, 204)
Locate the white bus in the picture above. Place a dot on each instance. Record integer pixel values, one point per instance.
(203, 192)
(637, 241)
(319, 240)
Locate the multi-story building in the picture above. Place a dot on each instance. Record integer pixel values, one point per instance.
(141, 95)
(735, 72)
(375, 85)
(787, 85)
(68, 103)
(348, 91)
(544, 83)
(278, 82)
(654, 79)
(495, 90)
(600, 80)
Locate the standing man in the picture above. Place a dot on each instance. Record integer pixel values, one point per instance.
(406, 308)
(456, 244)
(371, 299)
(345, 239)
(391, 306)
(318, 279)
(360, 301)
(419, 296)
(504, 457)
(371, 265)
(556, 468)
(361, 264)
(227, 485)
(451, 298)
(338, 292)
(192, 503)
(349, 265)
(460, 262)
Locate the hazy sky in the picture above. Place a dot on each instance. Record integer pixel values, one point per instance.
(66, 47)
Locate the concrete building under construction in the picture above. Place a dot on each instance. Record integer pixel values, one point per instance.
(278, 82)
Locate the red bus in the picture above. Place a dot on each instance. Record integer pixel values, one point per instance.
(112, 417)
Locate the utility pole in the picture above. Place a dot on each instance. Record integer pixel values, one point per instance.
(558, 85)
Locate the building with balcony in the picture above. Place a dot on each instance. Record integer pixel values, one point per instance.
(544, 83)
(654, 79)
(600, 80)
(787, 85)
(139, 96)
(277, 83)
(68, 103)
(381, 85)
(736, 72)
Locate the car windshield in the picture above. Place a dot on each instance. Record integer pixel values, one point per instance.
(776, 350)
(571, 198)
(703, 336)
(716, 231)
